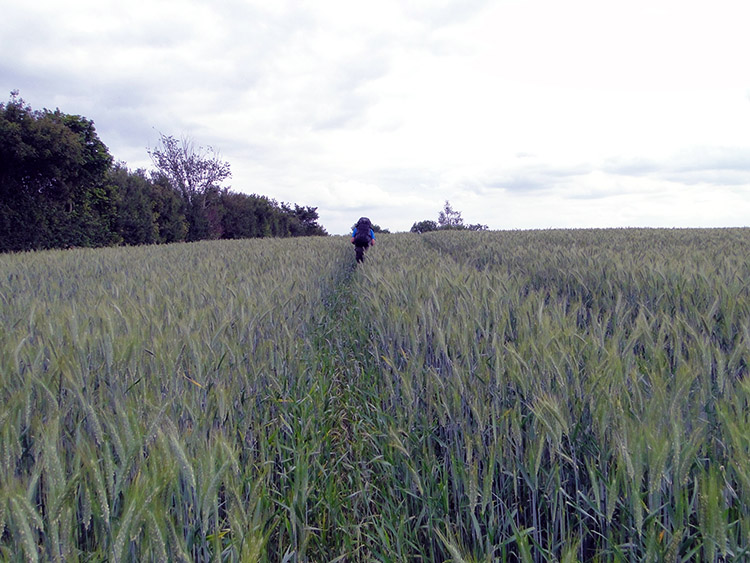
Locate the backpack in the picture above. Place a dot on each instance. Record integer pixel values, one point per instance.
(362, 238)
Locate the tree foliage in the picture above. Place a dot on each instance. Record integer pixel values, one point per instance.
(193, 171)
(53, 190)
(196, 173)
(254, 215)
(136, 216)
(448, 219)
(424, 226)
(60, 187)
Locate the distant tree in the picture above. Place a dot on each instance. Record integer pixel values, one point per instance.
(249, 216)
(424, 226)
(449, 218)
(243, 215)
(303, 221)
(196, 173)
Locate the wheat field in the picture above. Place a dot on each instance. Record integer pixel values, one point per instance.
(534, 396)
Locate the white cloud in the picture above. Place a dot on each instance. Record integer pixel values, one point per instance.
(523, 114)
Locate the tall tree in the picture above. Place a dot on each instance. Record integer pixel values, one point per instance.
(450, 219)
(53, 190)
(196, 173)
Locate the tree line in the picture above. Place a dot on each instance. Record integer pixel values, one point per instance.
(60, 188)
(449, 219)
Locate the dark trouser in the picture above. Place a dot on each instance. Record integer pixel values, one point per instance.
(360, 252)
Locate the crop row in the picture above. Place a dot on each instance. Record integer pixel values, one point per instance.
(465, 396)
(563, 395)
(150, 398)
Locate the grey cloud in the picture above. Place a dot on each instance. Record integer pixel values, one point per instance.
(445, 12)
(340, 112)
(716, 177)
(713, 158)
(715, 165)
(591, 193)
(32, 85)
(535, 178)
(630, 166)
(519, 183)
(345, 99)
(412, 179)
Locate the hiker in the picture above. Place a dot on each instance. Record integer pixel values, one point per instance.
(363, 237)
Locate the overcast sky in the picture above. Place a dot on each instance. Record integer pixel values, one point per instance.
(523, 113)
